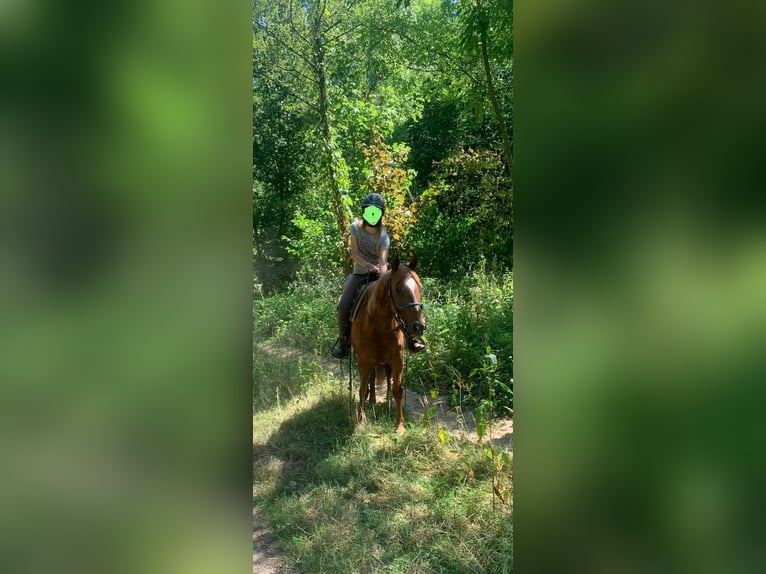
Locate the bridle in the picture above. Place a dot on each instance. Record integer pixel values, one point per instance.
(400, 308)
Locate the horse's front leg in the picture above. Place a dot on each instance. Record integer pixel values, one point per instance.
(398, 391)
(364, 386)
(373, 380)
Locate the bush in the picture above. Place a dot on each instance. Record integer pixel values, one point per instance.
(303, 317)
(468, 320)
(466, 317)
(465, 217)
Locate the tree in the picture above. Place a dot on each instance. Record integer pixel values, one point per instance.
(466, 215)
(487, 28)
(297, 36)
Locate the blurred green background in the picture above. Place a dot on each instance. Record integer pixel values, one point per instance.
(125, 286)
(640, 287)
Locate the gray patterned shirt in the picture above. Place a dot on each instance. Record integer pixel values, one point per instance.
(369, 246)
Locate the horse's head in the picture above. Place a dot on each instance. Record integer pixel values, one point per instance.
(405, 293)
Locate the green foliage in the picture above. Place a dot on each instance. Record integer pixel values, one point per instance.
(465, 217)
(464, 318)
(401, 72)
(281, 176)
(343, 498)
(491, 17)
(316, 243)
(302, 317)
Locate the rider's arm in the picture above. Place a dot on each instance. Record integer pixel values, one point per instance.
(356, 256)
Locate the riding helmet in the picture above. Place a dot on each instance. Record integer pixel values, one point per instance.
(373, 207)
(374, 199)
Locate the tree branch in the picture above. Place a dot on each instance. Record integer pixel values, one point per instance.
(298, 73)
(284, 44)
(281, 86)
(446, 57)
(294, 29)
(337, 36)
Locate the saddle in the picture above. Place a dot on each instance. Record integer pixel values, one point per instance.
(359, 295)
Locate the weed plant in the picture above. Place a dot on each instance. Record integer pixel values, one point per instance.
(303, 317)
(465, 317)
(345, 498)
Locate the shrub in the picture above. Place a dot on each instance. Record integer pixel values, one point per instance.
(464, 318)
(302, 317)
(465, 217)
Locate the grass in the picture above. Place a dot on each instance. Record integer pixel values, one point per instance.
(465, 317)
(344, 498)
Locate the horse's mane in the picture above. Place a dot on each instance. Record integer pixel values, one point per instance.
(377, 295)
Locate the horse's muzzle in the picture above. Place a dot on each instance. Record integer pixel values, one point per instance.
(419, 327)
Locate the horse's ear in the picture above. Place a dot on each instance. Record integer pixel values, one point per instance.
(413, 264)
(395, 263)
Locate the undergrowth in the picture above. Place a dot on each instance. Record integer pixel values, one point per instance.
(344, 498)
(468, 320)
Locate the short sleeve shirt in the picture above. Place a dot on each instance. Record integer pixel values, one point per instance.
(369, 245)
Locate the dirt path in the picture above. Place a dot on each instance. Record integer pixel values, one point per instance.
(501, 430)
(266, 556)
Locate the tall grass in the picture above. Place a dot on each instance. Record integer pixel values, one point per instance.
(465, 318)
(303, 317)
(347, 499)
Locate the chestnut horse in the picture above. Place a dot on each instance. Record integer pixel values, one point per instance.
(391, 308)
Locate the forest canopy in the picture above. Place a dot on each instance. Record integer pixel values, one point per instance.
(411, 99)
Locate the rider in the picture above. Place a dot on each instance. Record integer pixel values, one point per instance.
(369, 250)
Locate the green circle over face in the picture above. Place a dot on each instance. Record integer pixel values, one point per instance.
(372, 214)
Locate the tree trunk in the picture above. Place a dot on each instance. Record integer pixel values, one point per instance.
(493, 100)
(336, 201)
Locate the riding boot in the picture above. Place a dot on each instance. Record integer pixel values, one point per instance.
(415, 345)
(340, 350)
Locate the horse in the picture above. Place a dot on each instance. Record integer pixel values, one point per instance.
(390, 309)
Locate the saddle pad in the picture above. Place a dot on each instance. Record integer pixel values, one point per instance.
(358, 299)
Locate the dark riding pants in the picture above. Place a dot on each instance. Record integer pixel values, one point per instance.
(353, 282)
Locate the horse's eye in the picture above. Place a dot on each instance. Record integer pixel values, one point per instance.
(399, 289)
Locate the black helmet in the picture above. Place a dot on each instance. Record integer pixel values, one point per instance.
(374, 199)
(373, 207)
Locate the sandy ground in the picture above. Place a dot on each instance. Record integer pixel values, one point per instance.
(266, 556)
(415, 404)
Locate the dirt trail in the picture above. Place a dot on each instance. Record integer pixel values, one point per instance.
(266, 556)
(501, 430)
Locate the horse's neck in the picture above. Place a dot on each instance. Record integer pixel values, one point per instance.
(379, 297)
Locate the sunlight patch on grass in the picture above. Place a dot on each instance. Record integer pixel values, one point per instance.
(343, 497)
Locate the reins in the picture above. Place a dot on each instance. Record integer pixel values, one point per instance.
(400, 308)
(397, 309)
(401, 325)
